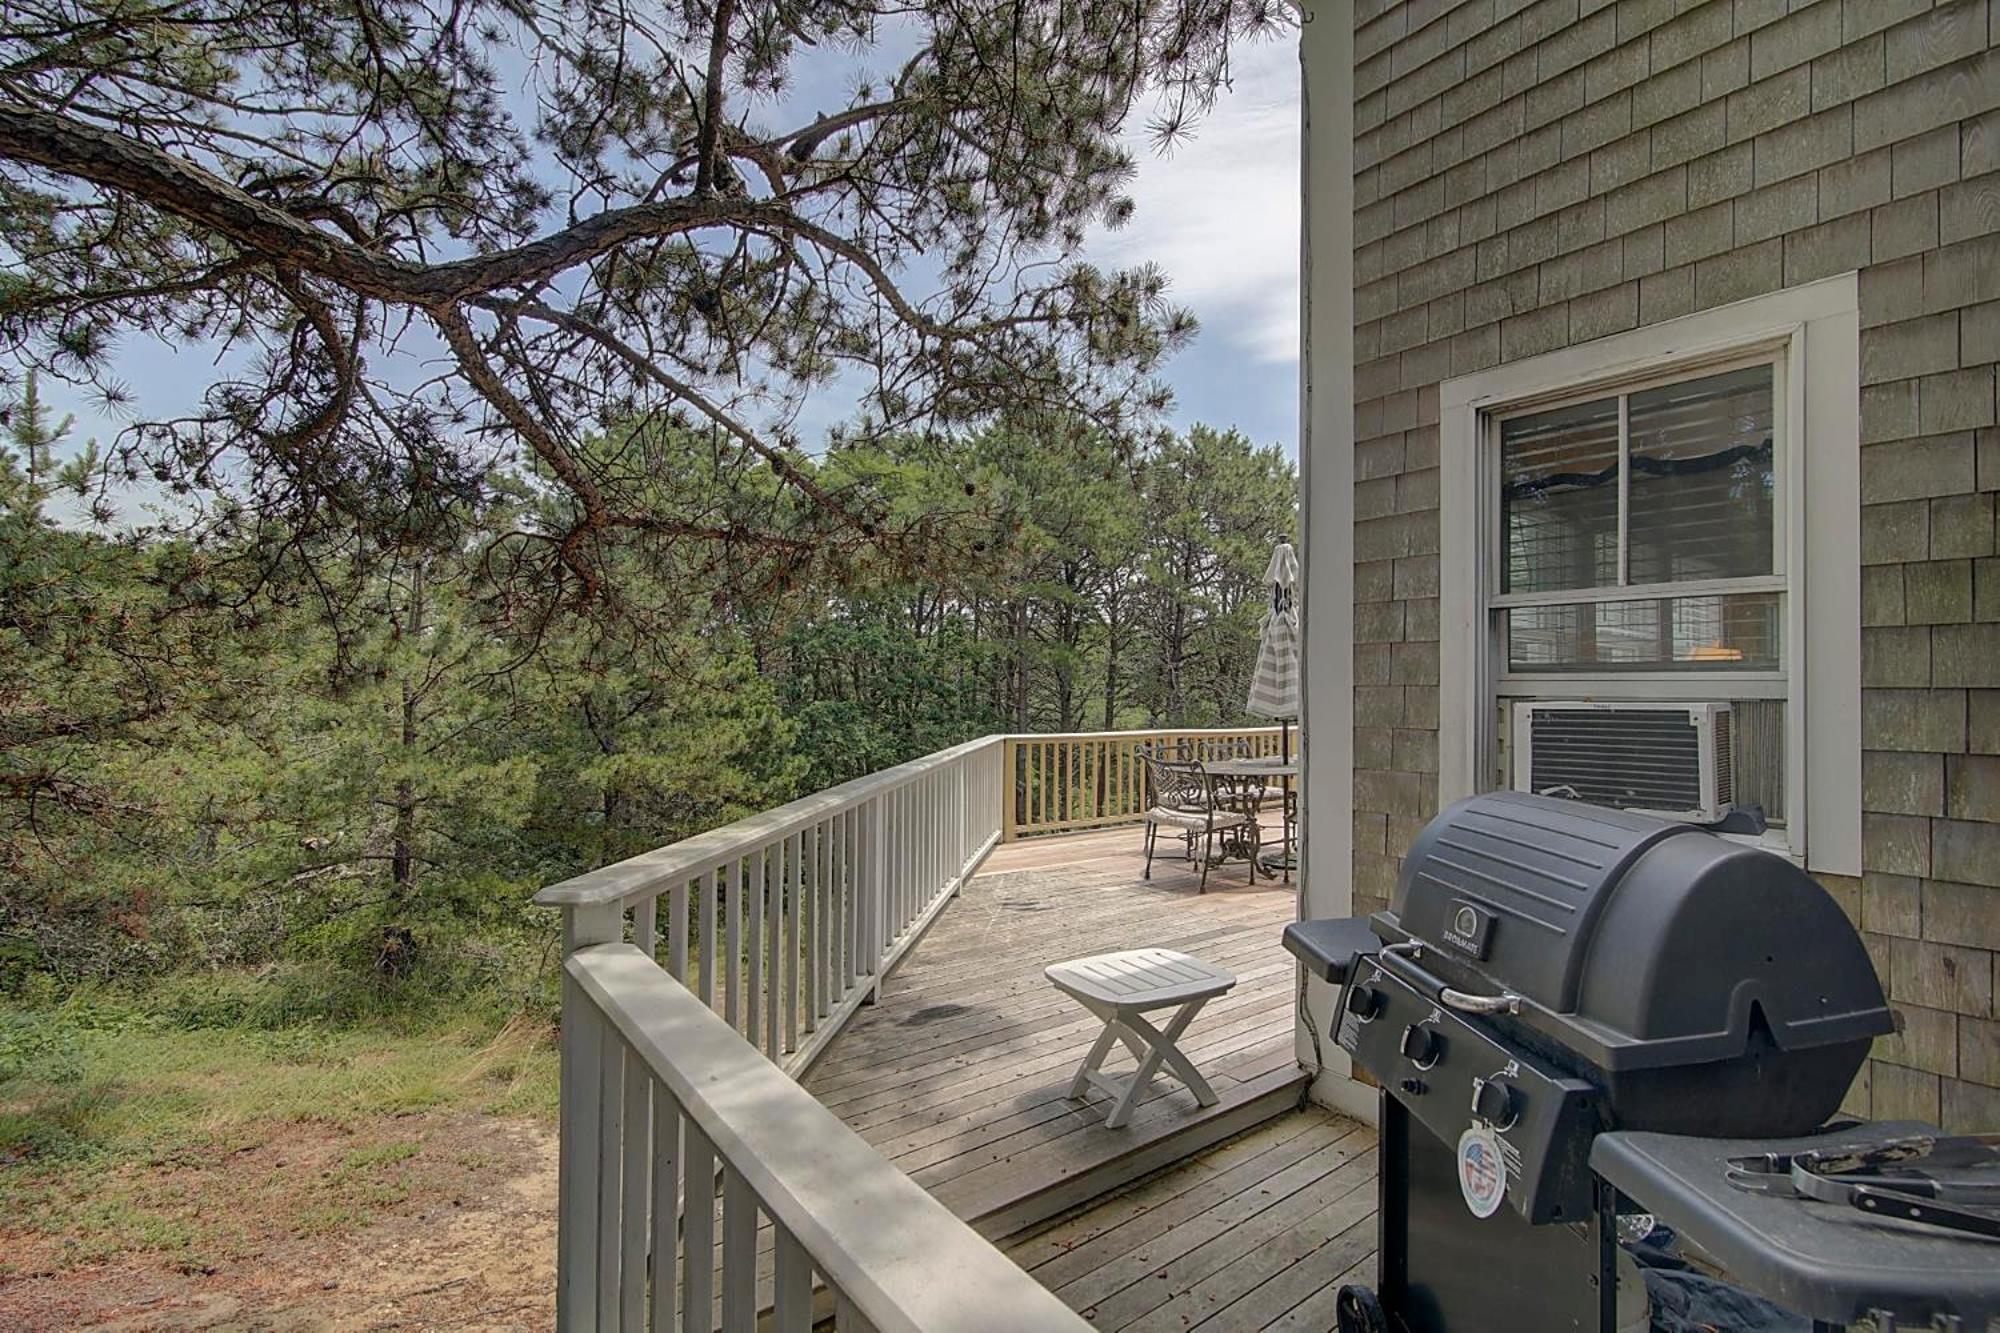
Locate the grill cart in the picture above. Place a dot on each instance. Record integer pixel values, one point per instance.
(1589, 1024)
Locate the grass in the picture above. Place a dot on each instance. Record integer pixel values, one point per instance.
(122, 1133)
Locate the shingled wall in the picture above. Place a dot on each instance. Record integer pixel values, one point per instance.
(1534, 175)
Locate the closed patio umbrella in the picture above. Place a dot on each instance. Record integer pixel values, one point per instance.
(1274, 688)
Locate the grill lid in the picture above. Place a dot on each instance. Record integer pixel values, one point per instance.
(1636, 941)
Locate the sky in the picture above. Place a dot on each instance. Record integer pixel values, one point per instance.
(1219, 213)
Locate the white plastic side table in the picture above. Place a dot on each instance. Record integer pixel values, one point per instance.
(1121, 988)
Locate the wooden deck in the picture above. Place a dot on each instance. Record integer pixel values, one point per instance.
(958, 1074)
(1259, 1233)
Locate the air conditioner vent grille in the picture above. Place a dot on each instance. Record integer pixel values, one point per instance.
(1725, 772)
(1627, 758)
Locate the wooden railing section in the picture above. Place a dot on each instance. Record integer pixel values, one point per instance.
(694, 1138)
(783, 922)
(1095, 779)
(702, 978)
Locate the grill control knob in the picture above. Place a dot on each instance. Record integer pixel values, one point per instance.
(1423, 1045)
(1365, 1003)
(1495, 1102)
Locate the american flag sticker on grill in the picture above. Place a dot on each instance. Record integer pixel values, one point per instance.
(1482, 1173)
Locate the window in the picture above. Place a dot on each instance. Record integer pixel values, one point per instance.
(1638, 531)
(1628, 522)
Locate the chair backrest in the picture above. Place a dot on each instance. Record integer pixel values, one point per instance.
(1178, 784)
(1237, 791)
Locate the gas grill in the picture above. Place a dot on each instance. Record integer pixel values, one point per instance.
(1553, 976)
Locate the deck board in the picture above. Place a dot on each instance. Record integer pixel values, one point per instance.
(1257, 1233)
(958, 1073)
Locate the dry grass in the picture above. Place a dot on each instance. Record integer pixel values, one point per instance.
(121, 1139)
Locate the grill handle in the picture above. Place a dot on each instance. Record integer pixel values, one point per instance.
(1401, 959)
(1504, 1003)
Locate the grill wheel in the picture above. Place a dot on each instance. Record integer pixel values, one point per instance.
(1356, 1310)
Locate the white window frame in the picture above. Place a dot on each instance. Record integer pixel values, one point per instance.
(1813, 334)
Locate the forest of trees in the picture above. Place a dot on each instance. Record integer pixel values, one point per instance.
(361, 761)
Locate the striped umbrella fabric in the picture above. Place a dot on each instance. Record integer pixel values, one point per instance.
(1274, 688)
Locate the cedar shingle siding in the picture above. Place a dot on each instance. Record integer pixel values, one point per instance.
(1534, 175)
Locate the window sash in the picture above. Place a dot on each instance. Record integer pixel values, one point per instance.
(1622, 391)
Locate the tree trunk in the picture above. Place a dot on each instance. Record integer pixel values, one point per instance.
(1020, 666)
(396, 950)
(1111, 664)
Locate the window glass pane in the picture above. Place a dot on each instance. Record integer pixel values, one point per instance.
(1559, 498)
(1703, 479)
(1741, 632)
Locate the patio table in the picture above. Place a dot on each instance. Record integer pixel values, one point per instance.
(1268, 766)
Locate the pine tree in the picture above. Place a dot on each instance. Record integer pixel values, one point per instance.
(588, 214)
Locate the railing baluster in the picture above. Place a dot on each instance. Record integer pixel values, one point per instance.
(961, 817)
(892, 848)
(927, 862)
(697, 1232)
(1035, 783)
(753, 947)
(867, 947)
(898, 802)
(646, 925)
(666, 1208)
(739, 1253)
(791, 1297)
(841, 922)
(677, 931)
(732, 955)
(795, 907)
(850, 887)
(610, 1153)
(809, 928)
(711, 948)
(1066, 762)
(1051, 809)
(635, 1190)
(821, 940)
(777, 974)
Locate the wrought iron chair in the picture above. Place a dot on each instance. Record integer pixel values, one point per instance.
(1195, 804)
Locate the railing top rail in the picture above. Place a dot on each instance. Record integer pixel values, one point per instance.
(648, 872)
(905, 1261)
(1139, 733)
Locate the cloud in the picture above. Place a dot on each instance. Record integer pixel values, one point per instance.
(1219, 212)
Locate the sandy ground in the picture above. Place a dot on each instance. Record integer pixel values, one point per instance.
(467, 1240)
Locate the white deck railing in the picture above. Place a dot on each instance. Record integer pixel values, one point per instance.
(687, 1113)
(784, 922)
(1067, 781)
(750, 947)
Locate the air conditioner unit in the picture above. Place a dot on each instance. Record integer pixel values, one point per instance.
(1660, 758)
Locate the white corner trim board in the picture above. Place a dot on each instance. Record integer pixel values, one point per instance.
(1813, 334)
